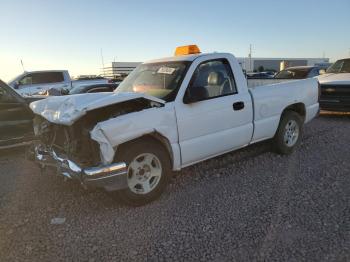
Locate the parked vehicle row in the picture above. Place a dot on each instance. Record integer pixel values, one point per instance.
(167, 114)
(260, 75)
(38, 82)
(300, 72)
(96, 88)
(296, 72)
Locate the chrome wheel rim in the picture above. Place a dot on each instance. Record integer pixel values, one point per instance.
(291, 133)
(144, 173)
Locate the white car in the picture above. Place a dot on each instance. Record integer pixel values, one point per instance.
(38, 82)
(167, 114)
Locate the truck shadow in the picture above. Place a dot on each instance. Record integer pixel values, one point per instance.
(11, 152)
(236, 156)
(182, 178)
(98, 199)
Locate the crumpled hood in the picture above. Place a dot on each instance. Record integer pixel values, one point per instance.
(335, 79)
(65, 110)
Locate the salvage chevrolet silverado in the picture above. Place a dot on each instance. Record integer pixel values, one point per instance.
(167, 114)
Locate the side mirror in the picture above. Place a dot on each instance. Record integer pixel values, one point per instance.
(195, 94)
(188, 99)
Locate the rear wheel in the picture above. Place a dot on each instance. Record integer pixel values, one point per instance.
(289, 133)
(148, 174)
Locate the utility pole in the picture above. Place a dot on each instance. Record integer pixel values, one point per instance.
(22, 66)
(250, 57)
(103, 64)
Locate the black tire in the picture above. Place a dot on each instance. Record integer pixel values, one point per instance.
(127, 153)
(279, 142)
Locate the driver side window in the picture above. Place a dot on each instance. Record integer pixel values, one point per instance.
(212, 79)
(42, 78)
(27, 80)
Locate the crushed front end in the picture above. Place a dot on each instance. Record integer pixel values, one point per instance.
(63, 126)
(72, 154)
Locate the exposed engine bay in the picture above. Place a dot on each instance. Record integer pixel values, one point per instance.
(74, 141)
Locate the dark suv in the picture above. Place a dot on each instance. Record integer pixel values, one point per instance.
(16, 127)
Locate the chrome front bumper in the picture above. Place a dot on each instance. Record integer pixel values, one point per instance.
(110, 177)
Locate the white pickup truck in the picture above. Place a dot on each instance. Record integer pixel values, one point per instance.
(167, 114)
(38, 82)
(335, 87)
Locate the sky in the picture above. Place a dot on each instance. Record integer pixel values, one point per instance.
(70, 34)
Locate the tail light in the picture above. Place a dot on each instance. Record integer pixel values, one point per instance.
(109, 81)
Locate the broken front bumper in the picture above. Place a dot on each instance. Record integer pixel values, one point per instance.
(110, 177)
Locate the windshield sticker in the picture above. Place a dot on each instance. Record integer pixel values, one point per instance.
(166, 70)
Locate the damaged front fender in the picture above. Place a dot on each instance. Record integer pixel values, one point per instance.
(114, 132)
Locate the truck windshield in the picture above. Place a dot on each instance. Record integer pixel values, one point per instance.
(341, 66)
(161, 80)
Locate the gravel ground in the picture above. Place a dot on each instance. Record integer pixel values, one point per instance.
(251, 205)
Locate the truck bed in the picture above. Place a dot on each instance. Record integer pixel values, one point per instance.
(263, 82)
(272, 98)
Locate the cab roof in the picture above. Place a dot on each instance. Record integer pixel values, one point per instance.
(190, 58)
(175, 58)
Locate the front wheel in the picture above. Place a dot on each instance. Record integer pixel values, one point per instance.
(148, 172)
(289, 132)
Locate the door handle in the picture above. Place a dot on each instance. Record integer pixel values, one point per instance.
(238, 105)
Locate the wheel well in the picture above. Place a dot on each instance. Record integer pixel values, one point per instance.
(154, 137)
(298, 108)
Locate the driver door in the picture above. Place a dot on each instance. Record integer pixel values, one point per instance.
(217, 118)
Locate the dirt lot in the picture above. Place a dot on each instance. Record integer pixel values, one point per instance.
(251, 205)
